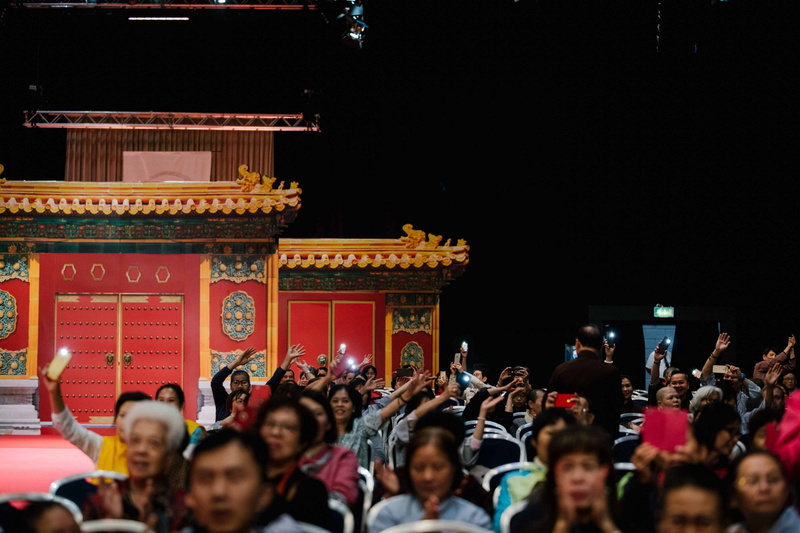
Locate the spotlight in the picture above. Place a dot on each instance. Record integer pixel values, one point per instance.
(354, 19)
(351, 13)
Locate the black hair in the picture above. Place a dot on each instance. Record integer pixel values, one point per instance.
(577, 438)
(590, 336)
(445, 419)
(131, 396)
(483, 368)
(330, 434)
(355, 397)
(444, 440)
(550, 417)
(288, 389)
(698, 476)
(232, 397)
(248, 439)
(178, 392)
(240, 372)
(368, 367)
(710, 419)
(416, 400)
(308, 422)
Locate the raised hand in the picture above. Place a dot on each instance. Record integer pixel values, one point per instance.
(723, 342)
(366, 361)
(245, 357)
(295, 351)
(302, 365)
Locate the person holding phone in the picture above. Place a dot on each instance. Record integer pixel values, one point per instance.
(588, 376)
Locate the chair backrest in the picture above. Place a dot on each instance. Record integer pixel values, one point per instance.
(426, 526)
(342, 520)
(366, 490)
(20, 500)
(509, 513)
(489, 426)
(624, 447)
(499, 449)
(77, 487)
(530, 449)
(373, 512)
(523, 428)
(491, 479)
(457, 409)
(118, 525)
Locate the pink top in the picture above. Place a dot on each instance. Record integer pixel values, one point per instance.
(337, 467)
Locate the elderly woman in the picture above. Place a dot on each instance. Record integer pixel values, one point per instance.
(761, 494)
(704, 395)
(155, 432)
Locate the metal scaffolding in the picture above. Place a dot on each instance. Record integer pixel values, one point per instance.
(174, 4)
(167, 121)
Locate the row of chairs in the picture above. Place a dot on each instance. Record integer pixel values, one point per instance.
(73, 490)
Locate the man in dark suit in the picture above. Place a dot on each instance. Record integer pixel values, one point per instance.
(589, 376)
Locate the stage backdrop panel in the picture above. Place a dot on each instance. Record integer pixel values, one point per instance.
(166, 166)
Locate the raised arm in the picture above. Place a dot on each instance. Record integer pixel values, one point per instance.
(405, 392)
(723, 341)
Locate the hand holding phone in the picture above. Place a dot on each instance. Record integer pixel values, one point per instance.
(457, 359)
(565, 400)
(663, 345)
(719, 369)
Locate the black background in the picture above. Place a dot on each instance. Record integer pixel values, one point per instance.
(590, 153)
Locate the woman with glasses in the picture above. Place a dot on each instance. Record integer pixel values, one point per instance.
(761, 495)
(715, 430)
(289, 428)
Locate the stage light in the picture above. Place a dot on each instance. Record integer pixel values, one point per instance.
(348, 12)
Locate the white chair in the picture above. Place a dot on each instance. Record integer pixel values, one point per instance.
(523, 428)
(443, 526)
(491, 479)
(489, 426)
(457, 409)
(342, 520)
(117, 525)
(26, 498)
(509, 513)
(77, 487)
(366, 489)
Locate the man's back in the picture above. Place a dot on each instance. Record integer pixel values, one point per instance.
(598, 381)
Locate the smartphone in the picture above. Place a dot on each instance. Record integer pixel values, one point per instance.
(720, 369)
(565, 400)
(404, 372)
(611, 339)
(58, 364)
(663, 345)
(457, 359)
(665, 429)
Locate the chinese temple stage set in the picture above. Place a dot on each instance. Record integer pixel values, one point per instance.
(147, 283)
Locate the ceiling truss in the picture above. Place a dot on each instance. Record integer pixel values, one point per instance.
(166, 121)
(174, 4)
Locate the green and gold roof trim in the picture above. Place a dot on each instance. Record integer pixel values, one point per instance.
(146, 198)
(415, 250)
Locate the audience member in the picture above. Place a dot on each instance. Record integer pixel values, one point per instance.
(289, 428)
(761, 495)
(716, 429)
(628, 405)
(434, 473)
(40, 517)
(789, 382)
(107, 452)
(703, 396)
(578, 495)
(155, 433)
(173, 394)
(236, 404)
(535, 401)
(228, 487)
(336, 466)
(589, 376)
(786, 359)
(519, 485)
(667, 398)
(691, 498)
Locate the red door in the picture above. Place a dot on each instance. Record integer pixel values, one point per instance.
(119, 343)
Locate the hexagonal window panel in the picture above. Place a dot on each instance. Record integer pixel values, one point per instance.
(133, 274)
(162, 274)
(68, 272)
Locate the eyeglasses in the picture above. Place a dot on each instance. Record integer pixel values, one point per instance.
(239, 382)
(752, 481)
(269, 424)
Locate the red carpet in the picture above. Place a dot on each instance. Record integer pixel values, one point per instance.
(32, 462)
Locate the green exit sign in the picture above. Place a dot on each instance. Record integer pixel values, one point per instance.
(664, 312)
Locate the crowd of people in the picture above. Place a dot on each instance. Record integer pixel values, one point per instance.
(717, 451)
